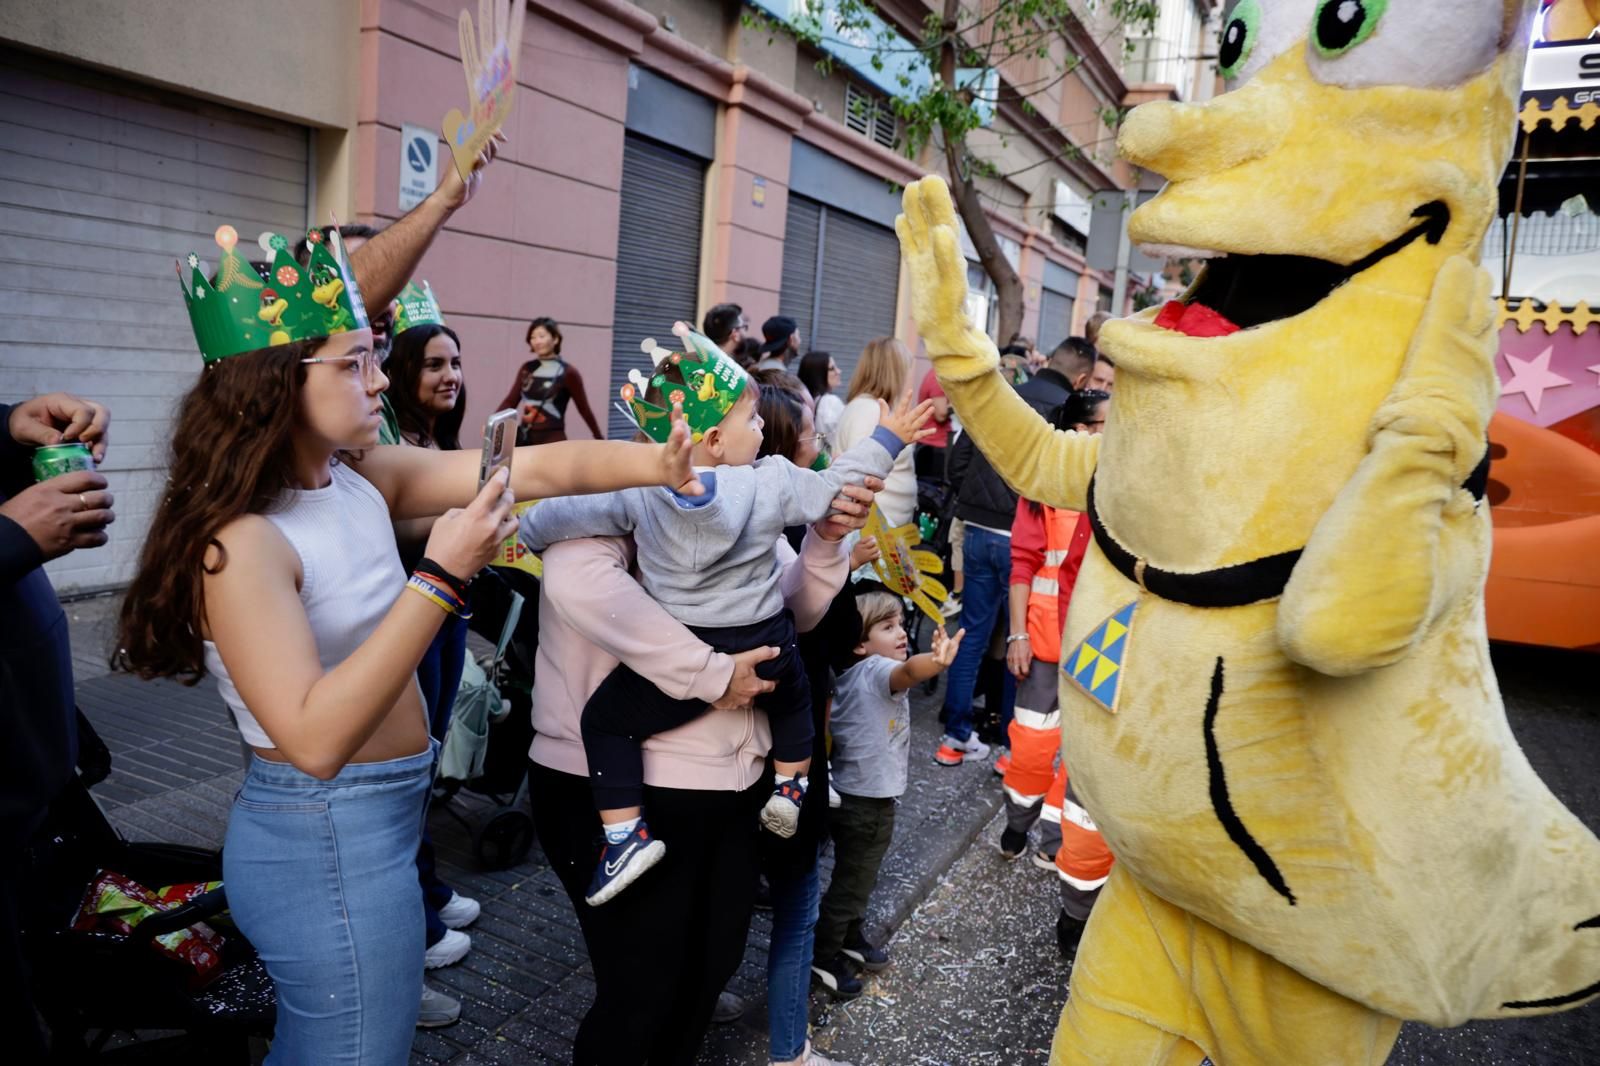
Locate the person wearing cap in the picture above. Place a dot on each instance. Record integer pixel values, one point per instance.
(782, 343)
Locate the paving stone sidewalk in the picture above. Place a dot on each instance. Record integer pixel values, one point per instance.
(526, 984)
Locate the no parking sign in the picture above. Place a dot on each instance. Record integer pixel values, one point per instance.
(419, 154)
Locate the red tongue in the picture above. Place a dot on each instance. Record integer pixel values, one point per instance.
(1194, 320)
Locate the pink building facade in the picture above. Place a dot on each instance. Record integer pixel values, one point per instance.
(664, 156)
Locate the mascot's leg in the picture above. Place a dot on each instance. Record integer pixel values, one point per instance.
(1155, 986)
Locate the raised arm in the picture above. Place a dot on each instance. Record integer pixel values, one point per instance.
(385, 263)
(418, 482)
(576, 518)
(1037, 461)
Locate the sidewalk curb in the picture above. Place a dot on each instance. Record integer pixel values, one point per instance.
(949, 849)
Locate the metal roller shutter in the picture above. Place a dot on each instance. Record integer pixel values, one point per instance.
(798, 295)
(104, 185)
(1055, 320)
(658, 257)
(853, 300)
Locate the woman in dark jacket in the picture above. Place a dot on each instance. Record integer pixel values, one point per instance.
(545, 385)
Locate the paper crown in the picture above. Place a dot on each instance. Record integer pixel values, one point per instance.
(415, 306)
(239, 311)
(712, 383)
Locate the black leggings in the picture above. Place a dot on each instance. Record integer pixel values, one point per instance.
(662, 950)
(626, 709)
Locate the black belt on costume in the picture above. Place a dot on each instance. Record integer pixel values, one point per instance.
(1229, 586)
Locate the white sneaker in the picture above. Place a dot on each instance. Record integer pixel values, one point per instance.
(951, 607)
(451, 949)
(835, 800)
(437, 1009)
(460, 912)
(953, 752)
(813, 1057)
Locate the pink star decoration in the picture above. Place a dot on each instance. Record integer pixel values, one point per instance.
(1531, 377)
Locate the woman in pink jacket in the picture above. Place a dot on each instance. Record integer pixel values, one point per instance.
(662, 952)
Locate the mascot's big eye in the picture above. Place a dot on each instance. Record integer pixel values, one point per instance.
(1255, 32)
(1359, 43)
(1239, 36)
(1343, 24)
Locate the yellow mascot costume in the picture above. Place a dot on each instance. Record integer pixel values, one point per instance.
(1277, 699)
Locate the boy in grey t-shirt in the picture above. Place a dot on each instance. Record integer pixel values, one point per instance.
(871, 730)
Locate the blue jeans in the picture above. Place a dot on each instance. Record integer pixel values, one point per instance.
(439, 676)
(794, 930)
(318, 872)
(988, 570)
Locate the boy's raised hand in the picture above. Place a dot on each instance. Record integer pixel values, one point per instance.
(908, 423)
(945, 647)
(677, 458)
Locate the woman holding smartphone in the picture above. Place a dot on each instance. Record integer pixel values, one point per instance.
(271, 563)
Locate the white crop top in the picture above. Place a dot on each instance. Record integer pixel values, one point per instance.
(352, 575)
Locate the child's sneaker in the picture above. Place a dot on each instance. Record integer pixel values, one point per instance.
(1045, 861)
(953, 752)
(951, 607)
(781, 815)
(838, 977)
(623, 863)
(864, 954)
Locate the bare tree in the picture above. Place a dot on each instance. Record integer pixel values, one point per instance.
(954, 73)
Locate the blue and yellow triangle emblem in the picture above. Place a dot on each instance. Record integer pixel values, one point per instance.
(1096, 664)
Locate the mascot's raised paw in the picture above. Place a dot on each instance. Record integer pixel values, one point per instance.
(928, 241)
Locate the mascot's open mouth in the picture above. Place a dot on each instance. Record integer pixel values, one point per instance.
(1241, 291)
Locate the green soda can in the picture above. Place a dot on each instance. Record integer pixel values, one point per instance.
(57, 459)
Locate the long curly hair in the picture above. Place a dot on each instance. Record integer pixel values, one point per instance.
(404, 370)
(230, 455)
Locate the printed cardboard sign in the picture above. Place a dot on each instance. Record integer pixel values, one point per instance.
(905, 569)
(489, 60)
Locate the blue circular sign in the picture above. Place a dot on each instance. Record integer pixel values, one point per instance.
(419, 154)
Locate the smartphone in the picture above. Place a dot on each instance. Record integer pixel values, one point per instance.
(499, 442)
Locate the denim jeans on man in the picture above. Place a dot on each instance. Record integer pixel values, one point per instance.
(988, 576)
(320, 876)
(795, 899)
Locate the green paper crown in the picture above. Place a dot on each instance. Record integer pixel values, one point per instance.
(711, 384)
(415, 306)
(237, 311)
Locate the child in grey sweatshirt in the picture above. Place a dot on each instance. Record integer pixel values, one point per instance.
(711, 561)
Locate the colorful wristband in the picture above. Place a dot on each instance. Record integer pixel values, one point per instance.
(441, 596)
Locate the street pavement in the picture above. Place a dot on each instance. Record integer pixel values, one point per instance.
(527, 982)
(976, 978)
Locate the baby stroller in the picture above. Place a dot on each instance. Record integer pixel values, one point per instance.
(91, 985)
(486, 749)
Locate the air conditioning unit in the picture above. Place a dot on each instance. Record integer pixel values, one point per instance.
(1072, 207)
